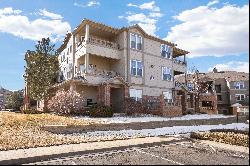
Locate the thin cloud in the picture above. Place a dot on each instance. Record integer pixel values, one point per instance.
(147, 21)
(12, 22)
(232, 66)
(148, 6)
(44, 12)
(89, 4)
(211, 31)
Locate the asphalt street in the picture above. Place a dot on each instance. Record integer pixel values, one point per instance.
(177, 153)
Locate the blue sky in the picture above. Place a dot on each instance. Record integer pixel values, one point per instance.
(215, 32)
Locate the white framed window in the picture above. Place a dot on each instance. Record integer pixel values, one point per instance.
(136, 94)
(82, 68)
(240, 97)
(166, 74)
(239, 85)
(166, 51)
(70, 49)
(138, 42)
(190, 85)
(168, 96)
(135, 41)
(136, 68)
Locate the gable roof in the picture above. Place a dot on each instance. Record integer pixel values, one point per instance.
(65, 42)
(230, 76)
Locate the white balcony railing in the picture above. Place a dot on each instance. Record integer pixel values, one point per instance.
(100, 42)
(96, 72)
(176, 61)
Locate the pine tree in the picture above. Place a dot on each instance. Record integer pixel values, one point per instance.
(41, 71)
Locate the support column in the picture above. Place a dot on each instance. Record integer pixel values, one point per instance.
(86, 55)
(86, 63)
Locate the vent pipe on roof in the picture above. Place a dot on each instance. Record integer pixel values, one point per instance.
(215, 70)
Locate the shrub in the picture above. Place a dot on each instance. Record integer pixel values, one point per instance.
(133, 107)
(31, 111)
(100, 111)
(67, 103)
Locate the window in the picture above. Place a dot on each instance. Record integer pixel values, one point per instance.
(70, 48)
(218, 88)
(239, 85)
(136, 94)
(139, 42)
(166, 51)
(240, 97)
(135, 41)
(132, 41)
(136, 68)
(63, 57)
(82, 68)
(207, 104)
(166, 73)
(219, 97)
(168, 96)
(190, 86)
(68, 51)
(67, 60)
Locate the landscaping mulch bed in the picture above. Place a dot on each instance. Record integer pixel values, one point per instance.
(228, 136)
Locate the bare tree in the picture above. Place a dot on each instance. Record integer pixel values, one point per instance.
(199, 86)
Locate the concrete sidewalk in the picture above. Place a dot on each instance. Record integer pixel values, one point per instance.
(22, 156)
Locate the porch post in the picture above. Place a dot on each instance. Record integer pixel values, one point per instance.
(86, 55)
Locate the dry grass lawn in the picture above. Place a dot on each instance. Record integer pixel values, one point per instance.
(24, 130)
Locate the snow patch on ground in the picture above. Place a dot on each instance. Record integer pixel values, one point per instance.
(163, 131)
(118, 118)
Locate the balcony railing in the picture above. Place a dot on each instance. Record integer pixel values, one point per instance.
(97, 72)
(179, 62)
(100, 42)
(207, 108)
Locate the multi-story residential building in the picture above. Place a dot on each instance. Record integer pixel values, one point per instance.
(227, 89)
(108, 64)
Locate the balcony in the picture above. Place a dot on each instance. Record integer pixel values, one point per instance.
(100, 47)
(96, 76)
(177, 61)
(179, 65)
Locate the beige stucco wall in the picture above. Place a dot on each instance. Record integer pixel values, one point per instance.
(234, 91)
(64, 64)
(149, 91)
(89, 92)
(152, 47)
(120, 65)
(103, 51)
(100, 62)
(156, 71)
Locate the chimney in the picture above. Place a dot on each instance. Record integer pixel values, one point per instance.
(215, 70)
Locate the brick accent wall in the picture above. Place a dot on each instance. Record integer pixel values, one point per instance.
(158, 106)
(209, 110)
(171, 111)
(104, 94)
(154, 104)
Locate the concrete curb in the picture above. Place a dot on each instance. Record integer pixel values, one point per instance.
(16, 157)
